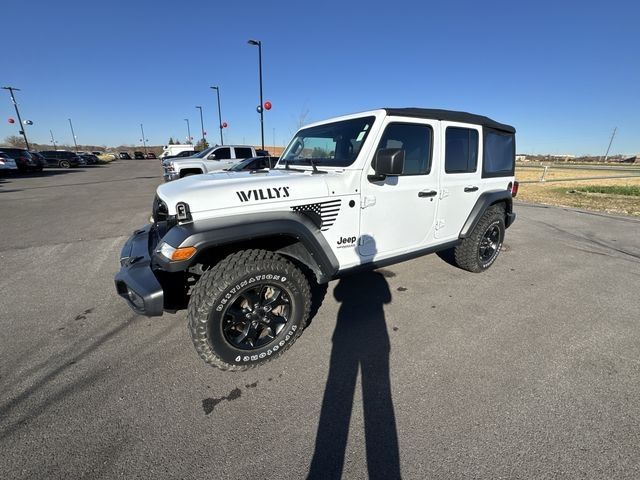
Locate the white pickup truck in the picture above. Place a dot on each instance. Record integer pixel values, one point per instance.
(210, 160)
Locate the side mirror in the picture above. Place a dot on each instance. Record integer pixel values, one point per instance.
(387, 161)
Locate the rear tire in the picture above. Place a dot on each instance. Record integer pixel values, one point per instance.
(480, 249)
(64, 164)
(248, 309)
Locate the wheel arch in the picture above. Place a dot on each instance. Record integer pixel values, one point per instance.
(484, 202)
(290, 234)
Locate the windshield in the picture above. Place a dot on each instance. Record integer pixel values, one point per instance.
(332, 145)
(203, 153)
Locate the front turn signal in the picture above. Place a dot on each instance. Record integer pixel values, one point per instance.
(184, 253)
(176, 254)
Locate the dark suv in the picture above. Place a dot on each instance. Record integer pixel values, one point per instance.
(24, 160)
(62, 158)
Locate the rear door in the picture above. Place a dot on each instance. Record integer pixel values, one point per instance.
(460, 174)
(397, 214)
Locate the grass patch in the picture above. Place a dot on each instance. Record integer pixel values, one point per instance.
(627, 190)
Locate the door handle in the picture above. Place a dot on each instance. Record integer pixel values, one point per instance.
(427, 193)
(471, 189)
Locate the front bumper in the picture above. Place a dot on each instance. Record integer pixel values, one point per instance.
(136, 282)
(168, 177)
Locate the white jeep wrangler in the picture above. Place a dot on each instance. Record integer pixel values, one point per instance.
(240, 250)
(211, 159)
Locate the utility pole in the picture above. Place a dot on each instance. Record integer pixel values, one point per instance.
(53, 140)
(15, 104)
(258, 44)
(188, 132)
(73, 135)
(201, 124)
(217, 89)
(606, 155)
(144, 141)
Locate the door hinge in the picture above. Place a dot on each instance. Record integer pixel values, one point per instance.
(368, 201)
(439, 224)
(444, 193)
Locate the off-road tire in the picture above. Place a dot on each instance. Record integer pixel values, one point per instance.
(467, 255)
(223, 285)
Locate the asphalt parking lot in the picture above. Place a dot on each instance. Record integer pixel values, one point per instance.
(529, 370)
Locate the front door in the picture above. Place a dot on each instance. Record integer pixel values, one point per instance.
(397, 214)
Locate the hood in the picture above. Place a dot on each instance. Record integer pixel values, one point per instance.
(214, 191)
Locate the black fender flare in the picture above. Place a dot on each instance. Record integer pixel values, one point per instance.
(311, 247)
(484, 201)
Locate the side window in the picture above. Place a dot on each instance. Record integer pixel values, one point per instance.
(220, 154)
(499, 154)
(243, 152)
(415, 140)
(461, 150)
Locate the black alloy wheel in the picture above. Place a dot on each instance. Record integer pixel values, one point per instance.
(489, 244)
(256, 316)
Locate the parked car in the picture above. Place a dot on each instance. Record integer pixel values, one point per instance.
(262, 153)
(151, 155)
(96, 153)
(174, 150)
(209, 160)
(124, 156)
(89, 158)
(7, 164)
(184, 154)
(107, 157)
(62, 158)
(138, 155)
(39, 159)
(349, 193)
(254, 163)
(23, 158)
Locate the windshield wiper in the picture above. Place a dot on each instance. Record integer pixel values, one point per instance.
(312, 162)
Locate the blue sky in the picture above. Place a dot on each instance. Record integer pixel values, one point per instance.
(564, 73)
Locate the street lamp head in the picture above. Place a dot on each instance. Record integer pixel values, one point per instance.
(254, 42)
(215, 88)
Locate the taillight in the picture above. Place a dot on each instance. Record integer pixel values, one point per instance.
(514, 189)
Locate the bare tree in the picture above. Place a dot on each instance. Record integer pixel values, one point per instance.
(14, 141)
(301, 121)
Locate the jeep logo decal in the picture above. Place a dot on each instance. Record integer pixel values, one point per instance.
(263, 194)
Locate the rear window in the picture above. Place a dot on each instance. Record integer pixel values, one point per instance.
(499, 154)
(461, 151)
(243, 152)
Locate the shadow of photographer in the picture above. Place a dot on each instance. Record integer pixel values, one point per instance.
(360, 341)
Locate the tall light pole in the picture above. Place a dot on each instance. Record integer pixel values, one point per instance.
(201, 124)
(144, 140)
(606, 155)
(15, 104)
(73, 135)
(258, 43)
(188, 131)
(53, 140)
(217, 89)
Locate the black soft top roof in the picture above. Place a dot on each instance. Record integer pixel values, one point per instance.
(450, 115)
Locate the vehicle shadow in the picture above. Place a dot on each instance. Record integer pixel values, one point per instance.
(360, 342)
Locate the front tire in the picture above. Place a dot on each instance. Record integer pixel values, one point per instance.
(65, 164)
(248, 309)
(479, 250)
